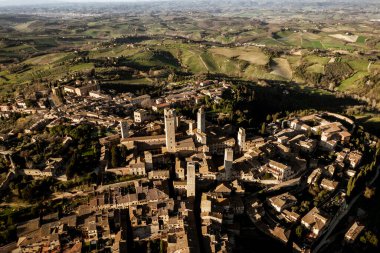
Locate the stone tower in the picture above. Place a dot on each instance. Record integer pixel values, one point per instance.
(190, 186)
(191, 127)
(201, 120)
(241, 139)
(170, 126)
(148, 160)
(228, 160)
(124, 129)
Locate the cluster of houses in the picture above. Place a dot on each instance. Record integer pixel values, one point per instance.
(174, 152)
(306, 136)
(140, 209)
(218, 208)
(153, 215)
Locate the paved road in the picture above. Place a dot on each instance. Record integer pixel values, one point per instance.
(100, 188)
(285, 184)
(68, 195)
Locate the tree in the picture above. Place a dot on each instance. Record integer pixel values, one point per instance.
(299, 231)
(92, 73)
(369, 237)
(369, 192)
(269, 117)
(123, 154)
(275, 117)
(207, 100)
(321, 195)
(114, 157)
(372, 238)
(9, 220)
(351, 185)
(294, 208)
(305, 206)
(262, 131)
(162, 248)
(228, 95)
(70, 167)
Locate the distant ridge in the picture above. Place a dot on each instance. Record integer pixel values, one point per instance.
(5, 3)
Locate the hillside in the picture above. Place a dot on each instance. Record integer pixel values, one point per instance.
(341, 57)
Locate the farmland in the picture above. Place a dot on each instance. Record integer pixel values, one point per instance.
(152, 49)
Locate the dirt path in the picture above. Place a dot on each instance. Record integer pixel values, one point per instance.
(200, 57)
(369, 67)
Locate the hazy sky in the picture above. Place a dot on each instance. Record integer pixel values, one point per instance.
(22, 2)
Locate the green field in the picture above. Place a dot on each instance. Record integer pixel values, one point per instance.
(359, 64)
(361, 39)
(132, 48)
(316, 68)
(312, 44)
(352, 82)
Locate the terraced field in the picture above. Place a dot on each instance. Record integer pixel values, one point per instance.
(50, 58)
(113, 52)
